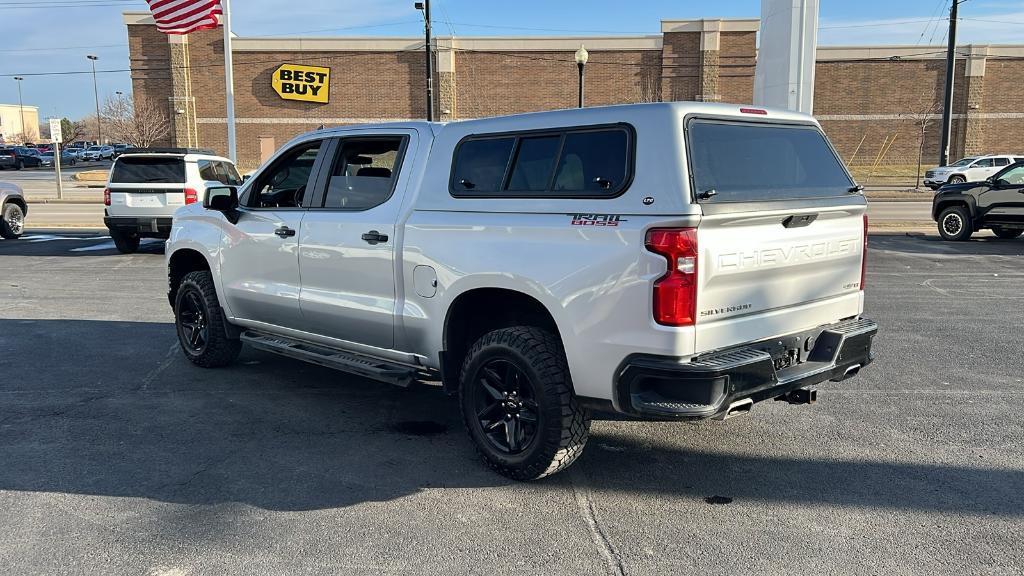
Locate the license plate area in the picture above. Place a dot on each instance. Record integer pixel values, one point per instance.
(789, 351)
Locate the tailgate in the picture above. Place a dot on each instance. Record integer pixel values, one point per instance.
(145, 201)
(758, 278)
(782, 235)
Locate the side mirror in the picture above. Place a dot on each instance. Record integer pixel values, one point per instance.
(223, 199)
(245, 177)
(1000, 183)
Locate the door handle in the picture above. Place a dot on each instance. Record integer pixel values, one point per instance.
(284, 232)
(373, 237)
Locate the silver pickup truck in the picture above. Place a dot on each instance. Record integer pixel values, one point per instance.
(671, 261)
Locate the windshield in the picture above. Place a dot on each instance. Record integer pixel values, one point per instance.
(963, 162)
(746, 162)
(94, 148)
(148, 169)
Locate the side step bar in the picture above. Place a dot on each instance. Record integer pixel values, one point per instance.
(365, 366)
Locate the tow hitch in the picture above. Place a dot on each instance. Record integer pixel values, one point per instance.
(800, 396)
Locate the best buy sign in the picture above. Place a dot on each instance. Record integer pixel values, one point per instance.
(306, 83)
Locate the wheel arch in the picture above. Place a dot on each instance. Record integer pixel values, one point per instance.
(181, 262)
(965, 200)
(477, 311)
(17, 201)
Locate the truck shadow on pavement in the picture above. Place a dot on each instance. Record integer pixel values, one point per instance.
(112, 409)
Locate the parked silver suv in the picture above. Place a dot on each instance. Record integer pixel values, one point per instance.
(671, 261)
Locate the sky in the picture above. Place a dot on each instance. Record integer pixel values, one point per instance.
(40, 37)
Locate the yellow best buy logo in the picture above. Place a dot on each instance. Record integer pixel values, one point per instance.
(306, 83)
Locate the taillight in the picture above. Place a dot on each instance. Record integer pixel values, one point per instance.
(864, 255)
(106, 196)
(191, 196)
(675, 293)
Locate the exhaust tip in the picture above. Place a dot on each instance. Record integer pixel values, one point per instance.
(736, 408)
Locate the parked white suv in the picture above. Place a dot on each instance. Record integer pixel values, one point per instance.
(146, 186)
(969, 169)
(671, 261)
(98, 153)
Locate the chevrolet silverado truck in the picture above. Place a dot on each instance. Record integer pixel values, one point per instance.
(669, 261)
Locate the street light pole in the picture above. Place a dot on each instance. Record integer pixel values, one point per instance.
(425, 7)
(947, 108)
(96, 95)
(581, 61)
(21, 107)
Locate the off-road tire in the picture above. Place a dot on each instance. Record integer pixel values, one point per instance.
(1006, 233)
(220, 349)
(563, 425)
(955, 224)
(125, 242)
(957, 179)
(12, 221)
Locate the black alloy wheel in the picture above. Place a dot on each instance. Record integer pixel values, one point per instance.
(193, 322)
(506, 406)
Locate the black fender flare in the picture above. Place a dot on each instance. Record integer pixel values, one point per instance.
(940, 204)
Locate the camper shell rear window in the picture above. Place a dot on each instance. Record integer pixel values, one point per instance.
(751, 162)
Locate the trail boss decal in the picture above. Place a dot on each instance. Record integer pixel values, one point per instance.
(306, 83)
(596, 219)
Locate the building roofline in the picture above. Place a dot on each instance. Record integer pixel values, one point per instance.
(405, 43)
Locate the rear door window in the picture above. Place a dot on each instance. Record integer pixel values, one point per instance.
(364, 172)
(566, 163)
(148, 170)
(747, 162)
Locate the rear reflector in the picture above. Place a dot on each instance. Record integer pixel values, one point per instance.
(191, 196)
(106, 196)
(864, 255)
(675, 293)
(753, 111)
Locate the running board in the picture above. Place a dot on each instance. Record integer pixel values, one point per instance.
(366, 366)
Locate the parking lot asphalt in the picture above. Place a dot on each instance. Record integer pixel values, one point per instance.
(117, 456)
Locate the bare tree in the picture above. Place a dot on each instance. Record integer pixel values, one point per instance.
(139, 124)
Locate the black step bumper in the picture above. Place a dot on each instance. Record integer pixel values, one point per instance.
(664, 387)
(145, 227)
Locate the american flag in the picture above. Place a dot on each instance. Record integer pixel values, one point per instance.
(184, 16)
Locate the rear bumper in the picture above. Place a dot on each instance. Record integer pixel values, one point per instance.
(144, 226)
(664, 387)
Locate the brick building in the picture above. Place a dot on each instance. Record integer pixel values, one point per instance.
(875, 102)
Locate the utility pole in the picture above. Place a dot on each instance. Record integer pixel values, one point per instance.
(947, 107)
(425, 6)
(21, 108)
(96, 95)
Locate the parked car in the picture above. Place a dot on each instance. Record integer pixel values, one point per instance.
(99, 153)
(146, 186)
(8, 159)
(43, 148)
(542, 265)
(996, 203)
(66, 158)
(969, 169)
(13, 209)
(23, 157)
(120, 149)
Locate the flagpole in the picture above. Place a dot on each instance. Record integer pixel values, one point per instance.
(229, 80)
